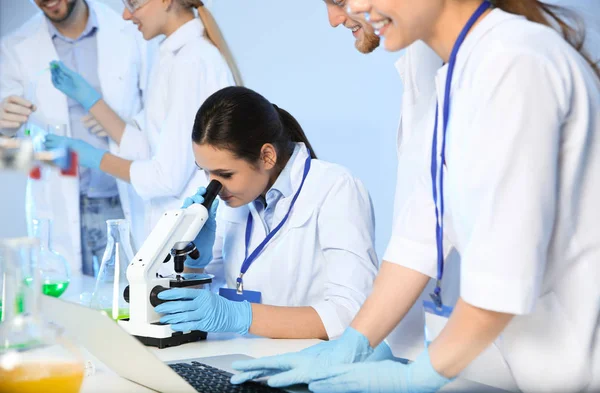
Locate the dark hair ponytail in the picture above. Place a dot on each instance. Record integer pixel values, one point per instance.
(293, 128)
(539, 12)
(242, 121)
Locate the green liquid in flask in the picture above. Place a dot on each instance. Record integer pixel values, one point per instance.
(123, 313)
(19, 306)
(51, 287)
(54, 288)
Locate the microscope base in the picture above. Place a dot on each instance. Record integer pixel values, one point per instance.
(176, 339)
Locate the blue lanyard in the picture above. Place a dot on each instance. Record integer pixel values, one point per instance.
(436, 296)
(250, 259)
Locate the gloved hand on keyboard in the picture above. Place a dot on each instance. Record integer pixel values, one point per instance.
(294, 368)
(379, 377)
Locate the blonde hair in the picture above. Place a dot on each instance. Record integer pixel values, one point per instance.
(214, 35)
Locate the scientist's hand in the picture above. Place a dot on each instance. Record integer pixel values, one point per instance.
(14, 112)
(200, 309)
(73, 85)
(89, 156)
(294, 368)
(206, 237)
(93, 126)
(379, 377)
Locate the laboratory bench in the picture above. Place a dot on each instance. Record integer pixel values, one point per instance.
(102, 379)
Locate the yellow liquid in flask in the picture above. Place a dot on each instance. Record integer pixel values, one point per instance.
(42, 377)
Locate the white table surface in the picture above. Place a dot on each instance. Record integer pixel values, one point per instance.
(105, 380)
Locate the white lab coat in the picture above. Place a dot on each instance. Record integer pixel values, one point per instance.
(322, 257)
(522, 185)
(417, 69)
(187, 70)
(122, 69)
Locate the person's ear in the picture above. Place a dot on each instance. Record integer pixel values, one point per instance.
(268, 156)
(167, 4)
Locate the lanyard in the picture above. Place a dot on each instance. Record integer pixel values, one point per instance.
(248, 260)
(439, 216)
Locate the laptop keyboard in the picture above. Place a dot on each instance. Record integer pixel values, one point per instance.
(205, 378)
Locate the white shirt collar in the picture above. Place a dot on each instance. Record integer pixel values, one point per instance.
(486, 24)
(283, 184)
(186, 33)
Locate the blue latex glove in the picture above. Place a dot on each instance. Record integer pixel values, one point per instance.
(206, 237)
(73, 85)
(294, 368)
(88, 155)
(196, 276)
(379, 377)
(200, 309)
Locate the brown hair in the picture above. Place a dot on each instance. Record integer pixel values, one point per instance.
(242, 121)
(540, 12)
(213, 33)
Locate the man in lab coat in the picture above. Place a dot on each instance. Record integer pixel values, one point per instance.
(95, 41)
(366, 39)
(417, 68)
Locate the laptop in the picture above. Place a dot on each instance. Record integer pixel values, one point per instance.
(131, 360)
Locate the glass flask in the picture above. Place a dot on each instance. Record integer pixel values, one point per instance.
(57, 129)
(34, 355)
(54, 269)
(112, 277)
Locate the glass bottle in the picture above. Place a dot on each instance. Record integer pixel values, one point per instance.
(112, 277)
(34, 356)
(54, 269)
(39, 191)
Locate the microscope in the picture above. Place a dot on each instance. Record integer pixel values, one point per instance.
(172, 238)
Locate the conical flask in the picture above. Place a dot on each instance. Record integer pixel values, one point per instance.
(34, 355)
(54, 269)
(112, 277)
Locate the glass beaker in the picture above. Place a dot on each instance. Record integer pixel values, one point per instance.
(112, 277)
(34, 356)
(57, 129)
(54, 269)
(39, 191)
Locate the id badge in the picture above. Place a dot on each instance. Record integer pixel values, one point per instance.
(435, 320)
(232, 294)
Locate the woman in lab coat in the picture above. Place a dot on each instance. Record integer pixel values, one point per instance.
(515, 174)
(294, 237)
(27, 52)
(154, 151)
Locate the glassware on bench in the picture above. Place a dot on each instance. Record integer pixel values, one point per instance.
(34, 355)
(54, 269)
(112, 276)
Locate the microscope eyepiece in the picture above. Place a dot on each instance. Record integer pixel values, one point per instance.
(213, 189)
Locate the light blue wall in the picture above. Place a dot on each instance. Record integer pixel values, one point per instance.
(348, 103)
